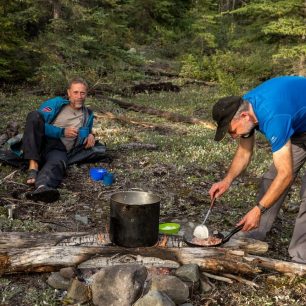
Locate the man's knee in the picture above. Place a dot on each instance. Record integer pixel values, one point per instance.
(35, 117)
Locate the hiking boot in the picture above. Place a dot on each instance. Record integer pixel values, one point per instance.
(43, 194)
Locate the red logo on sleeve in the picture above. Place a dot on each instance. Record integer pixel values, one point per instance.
(47, 109)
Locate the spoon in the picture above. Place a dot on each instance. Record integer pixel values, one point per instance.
(201, 231)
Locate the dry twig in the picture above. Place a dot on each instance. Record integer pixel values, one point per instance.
(241, 280)
(217, 277)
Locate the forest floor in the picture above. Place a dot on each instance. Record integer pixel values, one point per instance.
(180, 170)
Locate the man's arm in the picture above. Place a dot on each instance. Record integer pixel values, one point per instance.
(239, 163)
(283, 164)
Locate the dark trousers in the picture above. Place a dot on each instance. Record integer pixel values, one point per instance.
(51, 154)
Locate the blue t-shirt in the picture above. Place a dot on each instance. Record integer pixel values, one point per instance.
(280, 107)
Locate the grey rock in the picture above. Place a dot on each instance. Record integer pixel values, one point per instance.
(292, 207)
(189, 272)
(192, 286)
(82, 219)
(176, 289)
(186, 304)
(155, 298)
(132, 50)
(118, 285)
(68, 272)
(78, 291)
(3, 139)
(205, 285)
(56, 281)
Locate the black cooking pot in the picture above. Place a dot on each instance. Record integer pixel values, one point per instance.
(134, 218)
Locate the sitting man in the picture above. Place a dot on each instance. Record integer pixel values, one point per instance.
(52, 140)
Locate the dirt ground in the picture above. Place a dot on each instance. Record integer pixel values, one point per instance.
(84, 206)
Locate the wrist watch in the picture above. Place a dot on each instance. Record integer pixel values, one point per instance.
(262, 208)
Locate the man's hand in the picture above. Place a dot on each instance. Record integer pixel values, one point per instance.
(250, 220)
(71, 132)
(218, 189)
(90, 141)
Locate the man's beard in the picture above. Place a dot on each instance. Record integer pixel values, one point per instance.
(78, 104)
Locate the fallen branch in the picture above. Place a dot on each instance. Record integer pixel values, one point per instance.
(9, 176)
(24, 240)
(278, 265)
(168, 115)
(217, 277)
(241, 280)
(46, 259)
(126, 120)
(152, 87)
(149, 262)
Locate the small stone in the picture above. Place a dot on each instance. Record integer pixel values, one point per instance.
(68, 272)
(189, 272)
(294, 208)
(205, 286)
(186, 304)
(132, 50)
(82, 219)
(176, 289)
(78, 291)
(57, 281)
(155, 298)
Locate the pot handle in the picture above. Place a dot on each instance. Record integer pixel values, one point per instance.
(136, 189)
(232, 232)
(140, 189)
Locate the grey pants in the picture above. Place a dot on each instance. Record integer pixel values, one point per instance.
(297, 247)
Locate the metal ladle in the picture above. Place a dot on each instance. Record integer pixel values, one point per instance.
(201, 231)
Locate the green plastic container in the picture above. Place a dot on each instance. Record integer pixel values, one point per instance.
(169, 228)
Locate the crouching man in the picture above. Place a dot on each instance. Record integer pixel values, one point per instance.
(277, 109)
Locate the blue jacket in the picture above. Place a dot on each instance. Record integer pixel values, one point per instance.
(51, 108)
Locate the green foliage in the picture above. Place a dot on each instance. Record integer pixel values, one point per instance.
(191, 68)
(47, 42)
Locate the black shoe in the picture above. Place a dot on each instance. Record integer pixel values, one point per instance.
(43, 194)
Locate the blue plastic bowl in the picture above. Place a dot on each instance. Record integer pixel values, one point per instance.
(97, 174)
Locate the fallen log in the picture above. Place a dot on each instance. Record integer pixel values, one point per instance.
(47, 259)
(278, 265)
(125, 120)
(68, 252)
(9, 240)
(149, 262)
(151, 87)
(168, 115)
